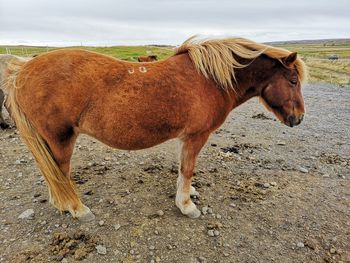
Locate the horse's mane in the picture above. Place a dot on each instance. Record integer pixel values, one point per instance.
(215, 58)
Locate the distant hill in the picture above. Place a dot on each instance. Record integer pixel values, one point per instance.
(339, 41)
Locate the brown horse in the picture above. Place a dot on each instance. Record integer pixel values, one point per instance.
(147, 58)
(59, 95)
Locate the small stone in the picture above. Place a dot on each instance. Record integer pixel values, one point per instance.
(332, 250)
(281, 143)
(204, 210)
(233, 205)
(273, 184)
(160, 212)
(101, 222)
(117, 226)
(101, 250)
(211, 233)
(64, 225)
(157, 259)
(300, 244)
(266, 185)
(28, 214)
(210, 210)
(152, 247)
(216, 233)
(218, 216)
(156, 232)
(202, 260)
(303, 170)
(311, 243)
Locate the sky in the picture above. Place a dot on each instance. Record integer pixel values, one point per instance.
(136, 22)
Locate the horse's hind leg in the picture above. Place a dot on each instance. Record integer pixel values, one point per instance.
(3, 124)
(63, 194)
(190, 149)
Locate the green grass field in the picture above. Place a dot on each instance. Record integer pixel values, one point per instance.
(321, 69)
(129, 53)
(315, 55)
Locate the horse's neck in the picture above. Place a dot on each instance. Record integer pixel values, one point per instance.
(253, 78)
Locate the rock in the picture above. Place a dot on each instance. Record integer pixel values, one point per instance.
(273, 184)
(303, 170)
(101, 223)
(233, 205)
(211, 233)
(101, 250)
(160, 213)
(218, 216)
(281, 143)
(216, 233)
(204, 210)
(300, 244)
(116, 226)
(266, 185)
(332, 250)
(202, 260)
(152, 247)
(28, 214)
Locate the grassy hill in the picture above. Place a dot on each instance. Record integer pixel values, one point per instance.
(314, 52)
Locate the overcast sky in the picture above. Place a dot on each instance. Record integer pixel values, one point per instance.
(132, 22)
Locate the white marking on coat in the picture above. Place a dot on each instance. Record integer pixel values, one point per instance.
(142, 69)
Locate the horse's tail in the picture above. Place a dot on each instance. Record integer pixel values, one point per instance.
(61, 188)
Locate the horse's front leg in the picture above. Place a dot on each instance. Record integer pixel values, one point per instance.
(191, 147)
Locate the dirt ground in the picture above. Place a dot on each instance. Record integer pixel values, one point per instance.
(268, 193)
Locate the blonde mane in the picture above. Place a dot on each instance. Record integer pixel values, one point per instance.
(213, 58)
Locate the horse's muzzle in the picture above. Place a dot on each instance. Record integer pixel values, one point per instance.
(293, 120)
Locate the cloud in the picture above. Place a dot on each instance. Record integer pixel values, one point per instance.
(108, 22)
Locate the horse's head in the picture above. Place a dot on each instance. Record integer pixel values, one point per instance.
(283, 94)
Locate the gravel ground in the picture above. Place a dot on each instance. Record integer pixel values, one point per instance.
(268, 193)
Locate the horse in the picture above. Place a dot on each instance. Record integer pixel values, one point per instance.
(126, 105)
(147, 58)
(4, 59)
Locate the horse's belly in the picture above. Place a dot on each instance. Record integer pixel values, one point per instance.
(133, 136)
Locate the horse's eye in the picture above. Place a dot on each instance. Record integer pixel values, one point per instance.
(293, 82)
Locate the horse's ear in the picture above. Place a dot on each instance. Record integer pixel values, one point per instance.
(290, 59)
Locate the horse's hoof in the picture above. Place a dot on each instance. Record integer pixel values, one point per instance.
(87, 217)
(84, 214)
(194, 214)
